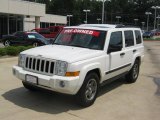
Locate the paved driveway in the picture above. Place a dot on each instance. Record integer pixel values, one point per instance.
(116, 101)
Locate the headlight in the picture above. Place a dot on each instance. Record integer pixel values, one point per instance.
(21, 60)
(61, 68)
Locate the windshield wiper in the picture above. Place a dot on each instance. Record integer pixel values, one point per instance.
(78, 46)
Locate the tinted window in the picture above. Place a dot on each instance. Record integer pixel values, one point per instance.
(138, 37)
(129, 39)
(56, 29)
(44, 31)
(34, 35)
(20, 34)
(116, 39)
(52, 29)
(115, 43)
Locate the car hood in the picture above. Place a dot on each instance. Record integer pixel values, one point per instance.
(63, 53)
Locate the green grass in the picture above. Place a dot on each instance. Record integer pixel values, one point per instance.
(150, 39)
(13, 50)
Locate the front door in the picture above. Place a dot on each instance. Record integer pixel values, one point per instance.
(116, 55)
(19, 38)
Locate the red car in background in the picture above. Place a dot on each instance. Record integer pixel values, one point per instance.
(50, 32)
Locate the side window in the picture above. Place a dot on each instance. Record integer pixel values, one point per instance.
(20, 35)
(129, 39)
(52, 29)
(56, 29)
(115, 43)
(138, 37)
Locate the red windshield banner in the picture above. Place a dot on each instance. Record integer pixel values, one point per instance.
(82, 31)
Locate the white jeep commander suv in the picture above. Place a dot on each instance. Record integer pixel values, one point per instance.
(81, 59)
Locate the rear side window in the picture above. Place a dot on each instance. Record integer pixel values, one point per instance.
(129, 39)
(116, 39)
(138, 37)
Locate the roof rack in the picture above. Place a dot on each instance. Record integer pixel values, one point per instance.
(126, 26)
(109, 26)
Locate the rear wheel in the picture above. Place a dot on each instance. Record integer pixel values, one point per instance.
(132, 76)
(35, 44)
(6, 43)
(88, 92)
(28, 86)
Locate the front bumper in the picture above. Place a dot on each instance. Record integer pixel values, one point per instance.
(70, 84)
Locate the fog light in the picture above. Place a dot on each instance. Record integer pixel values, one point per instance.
(62, 84)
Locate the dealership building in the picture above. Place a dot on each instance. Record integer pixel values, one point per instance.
(20, 15)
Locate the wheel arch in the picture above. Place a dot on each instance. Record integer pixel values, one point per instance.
(138, 58)
(94, 67)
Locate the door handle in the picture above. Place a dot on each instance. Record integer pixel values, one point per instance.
(122, 54)
(134, 51)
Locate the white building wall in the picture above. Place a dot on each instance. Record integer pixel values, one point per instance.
(29, 23)
(20, 7)
(54, 19)
(31, 9)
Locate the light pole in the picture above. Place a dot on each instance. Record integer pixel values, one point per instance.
(143, 23)
(148, 13)
(136, 20)
(103, 11)
(118, 17)
(158, 21)
(86, 11)
(69, 17)
(98, 19)
(155, 7)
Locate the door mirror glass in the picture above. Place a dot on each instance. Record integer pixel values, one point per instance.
(115, 43)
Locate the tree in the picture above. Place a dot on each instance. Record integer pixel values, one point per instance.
(127, 9)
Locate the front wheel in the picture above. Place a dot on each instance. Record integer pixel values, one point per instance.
(133, 74)
(88, 92)
(35, 44)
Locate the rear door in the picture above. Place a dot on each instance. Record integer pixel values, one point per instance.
(129, 48)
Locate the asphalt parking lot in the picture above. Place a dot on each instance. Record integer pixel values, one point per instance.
(116, 101)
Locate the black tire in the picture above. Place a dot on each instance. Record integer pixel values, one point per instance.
(85, 98)
(29, 87)
(35, 44)
(6, 43)
(133, 74)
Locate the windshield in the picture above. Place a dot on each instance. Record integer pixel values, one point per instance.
(34, 35)
(92, 39)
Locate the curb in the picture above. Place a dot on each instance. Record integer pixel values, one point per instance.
(8, 59)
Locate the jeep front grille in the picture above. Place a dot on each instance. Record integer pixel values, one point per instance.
(39, 65)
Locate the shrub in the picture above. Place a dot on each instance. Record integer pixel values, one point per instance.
(13, 51)
(21, 48)
(2, 52)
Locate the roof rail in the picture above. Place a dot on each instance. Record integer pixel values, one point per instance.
(109, 25)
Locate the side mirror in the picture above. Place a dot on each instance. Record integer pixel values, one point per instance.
(114, 48)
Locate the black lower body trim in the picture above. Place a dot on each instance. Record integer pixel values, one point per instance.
(118, 68)
(113, 79)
